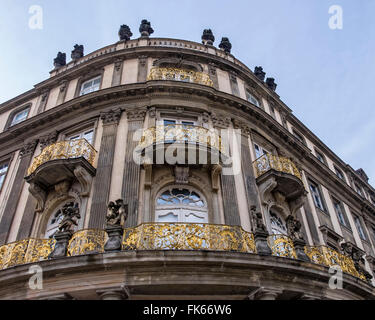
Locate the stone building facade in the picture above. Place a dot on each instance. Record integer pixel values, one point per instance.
(162, 168)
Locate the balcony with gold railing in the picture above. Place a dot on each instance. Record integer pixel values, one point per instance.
(186, 136)
(60, 162)
(283, 171)
(176, 74)
(172, 237)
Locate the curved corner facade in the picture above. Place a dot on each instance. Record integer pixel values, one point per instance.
(228, 194)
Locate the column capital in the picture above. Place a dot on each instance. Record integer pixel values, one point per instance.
(28, 148)
(111, 116)
(136, 115)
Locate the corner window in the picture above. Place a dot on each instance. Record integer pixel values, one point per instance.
(3, 172)
(340, 212)
(20, 116)
(358, 224)
(90, 86)
(252, 99)
(316, 195)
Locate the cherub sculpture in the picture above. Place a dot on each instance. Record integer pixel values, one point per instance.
(117, 213)
(71, 217)
(294, 228)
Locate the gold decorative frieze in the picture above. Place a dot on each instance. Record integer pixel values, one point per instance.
(282, 246)
(329, 257)
(282, 164)
(25, 251)
(177, 74)
(188, 236)
(87, 241)
(69, 149)
(181, 133)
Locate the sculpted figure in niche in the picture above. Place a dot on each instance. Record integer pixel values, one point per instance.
(294, 228)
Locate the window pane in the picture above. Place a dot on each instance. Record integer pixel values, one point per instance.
(20, 116)
(90, 86)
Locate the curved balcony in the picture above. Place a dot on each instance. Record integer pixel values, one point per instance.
(70, 149)
(176, 74)
(202, 141)
(58, 165)
(172, 237)
(287, 178)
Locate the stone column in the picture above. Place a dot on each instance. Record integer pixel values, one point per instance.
(142, 69)
(117, 72)
(113, 294)
(267, 294)
(27, 220)
(228, 184)
(26, 154)
(61, 246)
(247, 169)
(130, 184)
(213, 75)
(102, 181)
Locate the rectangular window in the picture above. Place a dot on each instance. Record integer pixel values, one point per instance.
(90, 86)
(358, 224)
(259, 151)
(320, 156)
(252, 99)
(339, 173)
(88, 135)
(340, 212)
(318, 199)
(272, 112)
(3, 172)
(20, 116)
(358, 190)
(299, 136)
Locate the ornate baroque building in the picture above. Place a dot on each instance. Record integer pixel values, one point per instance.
(162, 168)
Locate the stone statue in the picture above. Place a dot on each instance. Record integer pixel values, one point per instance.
(258, 220)
(60, 60)
(125, 33)
(71, 216)
(145, 29)
(259, 73)
(77, 52)
(270, 82)
(357, 256)
(117, 213)
(208, 37)
(225, 45)
(294, 228)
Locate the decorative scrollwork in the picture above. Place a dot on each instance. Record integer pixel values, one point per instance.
(64, 150)
(282, 246)
(87, 241)
(181, 133)
(25, 251)
(188, 236)
(329, 257)
(282, 164)
(180, 75)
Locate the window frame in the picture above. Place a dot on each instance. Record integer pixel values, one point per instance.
(339, 172)
(299, 136)
(319, 154)
(356, 217)
(16, 111)
(4, 175)
(320, 193)
(249, 92)
(346, 223)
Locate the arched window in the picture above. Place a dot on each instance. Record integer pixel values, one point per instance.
(181, 204)
(278, 225)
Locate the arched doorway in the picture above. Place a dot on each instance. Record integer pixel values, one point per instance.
(181, 204)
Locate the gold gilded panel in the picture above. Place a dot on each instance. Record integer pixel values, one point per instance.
(282, 246)
(87, 241)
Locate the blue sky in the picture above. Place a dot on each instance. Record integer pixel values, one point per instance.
(325, 76)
